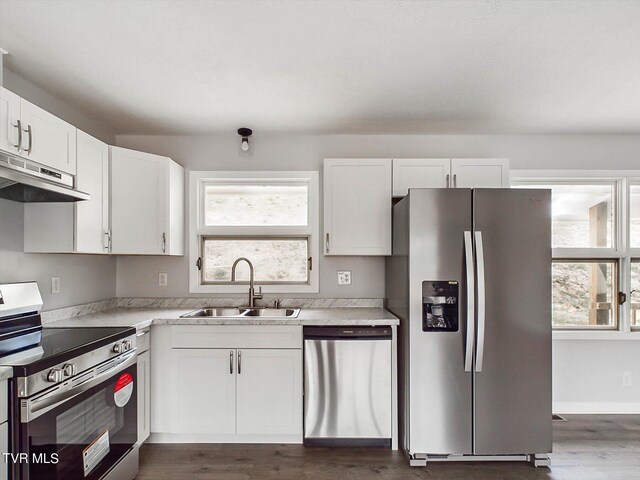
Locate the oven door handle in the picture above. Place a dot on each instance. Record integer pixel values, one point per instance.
(32, 408)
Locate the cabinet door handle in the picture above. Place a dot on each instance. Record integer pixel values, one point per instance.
(30, 132)
(455, 181)
(18, 125)
(239, 362)
(231, 362)
(326, 243)
(164, 242)
(107, 240)
(447, 181)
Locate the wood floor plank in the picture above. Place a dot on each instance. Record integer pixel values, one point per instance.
(602, 447)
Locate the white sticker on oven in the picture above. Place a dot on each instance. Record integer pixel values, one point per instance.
(123, 390)
(95, 452)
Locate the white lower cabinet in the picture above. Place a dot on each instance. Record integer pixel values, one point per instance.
(227, 383)
(204, 400)
(144, 394)
(269, 393)
(237, 391)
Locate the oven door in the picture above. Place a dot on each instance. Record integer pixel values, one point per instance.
(84, 430)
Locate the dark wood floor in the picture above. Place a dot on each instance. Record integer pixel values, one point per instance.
(585, 448)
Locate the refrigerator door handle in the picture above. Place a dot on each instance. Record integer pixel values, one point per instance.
(468, 253)
(481, 301)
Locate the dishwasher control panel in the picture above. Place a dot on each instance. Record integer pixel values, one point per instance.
(347, 332)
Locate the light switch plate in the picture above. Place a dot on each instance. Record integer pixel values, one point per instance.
(163, 279)
(344, 277)
(55, 285)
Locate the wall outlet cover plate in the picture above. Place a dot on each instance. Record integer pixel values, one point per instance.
(344, 277)
(55, 285)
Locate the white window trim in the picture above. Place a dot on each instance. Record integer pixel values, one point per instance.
(622, 252)
(197, 228)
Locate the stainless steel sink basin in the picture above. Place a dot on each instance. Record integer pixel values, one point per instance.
(215, 312)
(272, 312)
(243, 312)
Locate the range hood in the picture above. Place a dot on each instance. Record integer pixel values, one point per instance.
(25, 181)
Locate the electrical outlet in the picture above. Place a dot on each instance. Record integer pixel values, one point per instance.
(163, 279)
(344, 277)
(55, 285)
(626, 379)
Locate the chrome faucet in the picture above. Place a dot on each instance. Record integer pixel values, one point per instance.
(252, 293)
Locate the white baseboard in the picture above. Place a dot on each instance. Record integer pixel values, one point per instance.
(596, 408)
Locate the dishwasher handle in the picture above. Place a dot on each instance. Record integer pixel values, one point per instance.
(347, 333)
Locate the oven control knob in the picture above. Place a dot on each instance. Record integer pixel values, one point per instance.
(55, 375)
(118, 348)
(127, 345)
(70, 369)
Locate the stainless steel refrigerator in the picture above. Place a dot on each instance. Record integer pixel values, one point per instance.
(470, 280)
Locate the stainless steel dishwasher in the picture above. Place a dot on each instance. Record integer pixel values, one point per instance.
(347, 386)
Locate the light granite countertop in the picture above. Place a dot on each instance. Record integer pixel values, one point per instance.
(143, 317)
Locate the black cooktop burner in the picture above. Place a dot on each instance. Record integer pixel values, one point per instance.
(62, 344)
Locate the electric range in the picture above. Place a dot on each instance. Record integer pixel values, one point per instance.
(72, 399)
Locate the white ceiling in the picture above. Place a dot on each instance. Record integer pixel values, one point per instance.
(335, 66)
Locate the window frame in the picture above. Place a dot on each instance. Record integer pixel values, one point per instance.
(615, 289)
(634, 328)
(198, 230)
(622, 253)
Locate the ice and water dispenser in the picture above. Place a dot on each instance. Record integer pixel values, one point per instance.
(440, 306)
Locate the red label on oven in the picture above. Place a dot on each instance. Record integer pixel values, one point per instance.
(123, 390)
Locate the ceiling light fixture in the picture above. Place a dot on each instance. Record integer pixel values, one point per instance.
(245, 133)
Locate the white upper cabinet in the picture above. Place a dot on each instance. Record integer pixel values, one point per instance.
(9, 116)
(480, 172)
(47, 139)
(449, 173)
(357, 206)
(31, 132)
(80, 227)
(92, 216)
(420, 173)
(147, 204)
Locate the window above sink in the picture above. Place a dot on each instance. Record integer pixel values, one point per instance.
(271, 218)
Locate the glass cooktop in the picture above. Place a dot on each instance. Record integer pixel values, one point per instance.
(58, 345)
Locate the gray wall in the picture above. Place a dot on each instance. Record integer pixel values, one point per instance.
(84, 278)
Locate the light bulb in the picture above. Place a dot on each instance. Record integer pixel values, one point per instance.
(245, 144)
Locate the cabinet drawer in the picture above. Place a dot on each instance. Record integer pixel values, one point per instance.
(236, 336)
(3, 401)
(142, 340)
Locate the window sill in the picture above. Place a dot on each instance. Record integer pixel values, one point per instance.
(601, 335)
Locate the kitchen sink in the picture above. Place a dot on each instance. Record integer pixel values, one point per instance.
(215, 312)
(243, 312)
(271, 312)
